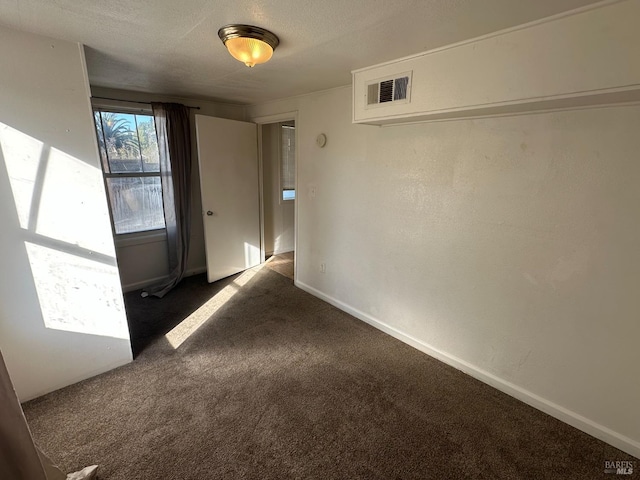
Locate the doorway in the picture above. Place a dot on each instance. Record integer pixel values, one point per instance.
(277, 151)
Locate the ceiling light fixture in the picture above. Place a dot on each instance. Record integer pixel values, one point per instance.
(248, 44)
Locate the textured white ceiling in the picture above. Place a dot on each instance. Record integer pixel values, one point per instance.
(171, 46)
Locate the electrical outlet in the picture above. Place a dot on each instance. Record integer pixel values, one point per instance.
(323, 267)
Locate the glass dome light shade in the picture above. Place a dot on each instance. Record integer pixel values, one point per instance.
(249, 51)
(248, 44)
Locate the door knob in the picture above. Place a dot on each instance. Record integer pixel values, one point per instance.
(209, 212)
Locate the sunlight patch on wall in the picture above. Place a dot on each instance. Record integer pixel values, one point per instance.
(75, 215)
(22, 157)
(251, 255)
(56, 195)
(63, 218)
(193, 322)
(77, 294)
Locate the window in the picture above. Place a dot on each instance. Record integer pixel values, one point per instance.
(288, 162)
(131, 168)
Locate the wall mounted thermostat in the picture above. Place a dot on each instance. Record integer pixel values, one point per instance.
(321, 140)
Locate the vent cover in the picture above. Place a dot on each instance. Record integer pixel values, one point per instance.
(389, 90)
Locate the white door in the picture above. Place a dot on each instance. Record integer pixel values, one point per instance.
(228, 159)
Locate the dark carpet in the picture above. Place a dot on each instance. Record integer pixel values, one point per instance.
(280, 385)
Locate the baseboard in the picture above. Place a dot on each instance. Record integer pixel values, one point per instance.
(280, 252)
(195, 271)
(130, 287)
(588, 426)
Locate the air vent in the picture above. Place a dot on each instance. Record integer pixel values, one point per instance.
(373, 91)
(400, 86)
(386, 91)
(389, 90)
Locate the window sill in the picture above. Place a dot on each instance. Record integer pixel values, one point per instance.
(140, 238)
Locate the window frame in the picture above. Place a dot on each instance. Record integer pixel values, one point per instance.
(141, 236)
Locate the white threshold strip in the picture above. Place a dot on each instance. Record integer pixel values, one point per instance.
(588, 426)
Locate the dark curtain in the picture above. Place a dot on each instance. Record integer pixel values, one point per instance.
(174, 144)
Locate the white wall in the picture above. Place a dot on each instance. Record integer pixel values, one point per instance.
(143, 261)
(61, 313)
(507, 247)
(278, 215)
(588, 56)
